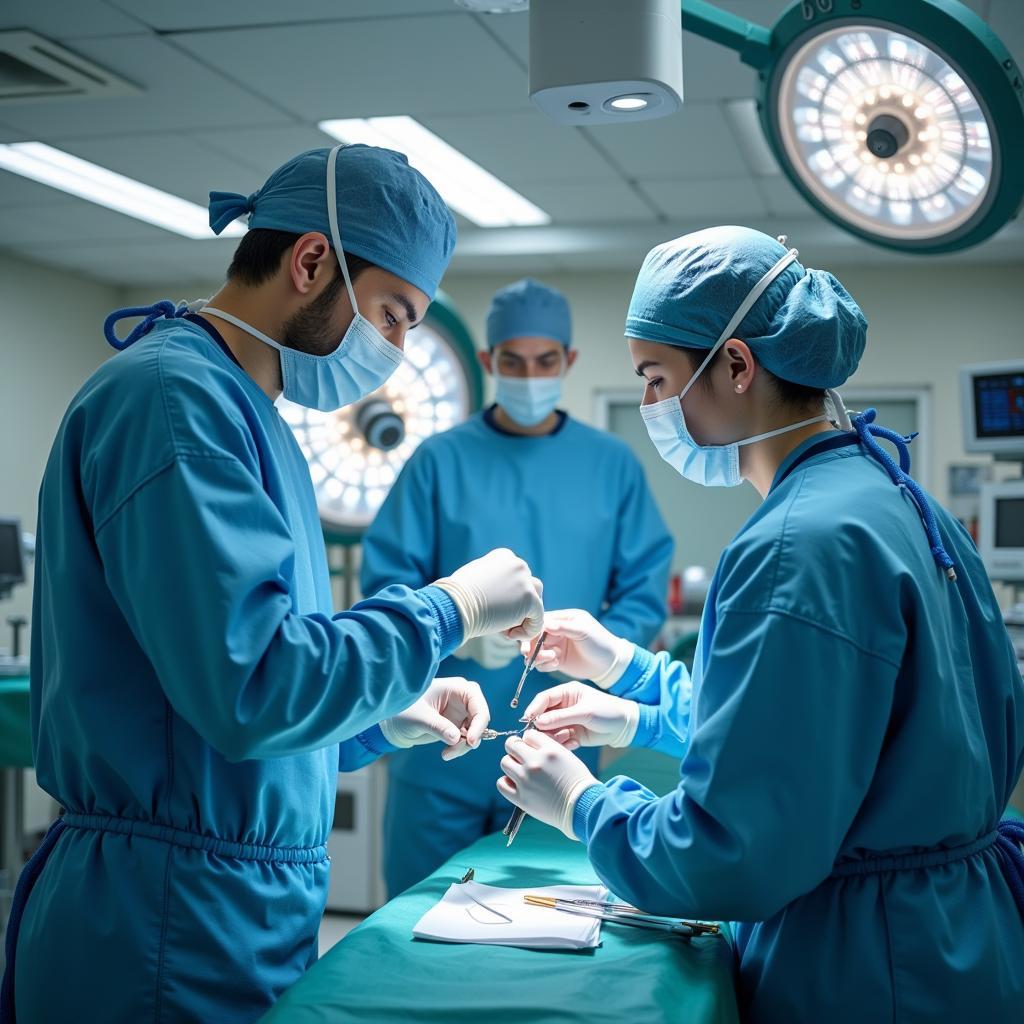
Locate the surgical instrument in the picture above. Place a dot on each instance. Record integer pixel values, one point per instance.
(529, 668)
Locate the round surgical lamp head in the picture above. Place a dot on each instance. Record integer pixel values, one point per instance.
(356, 453)
(902, 122)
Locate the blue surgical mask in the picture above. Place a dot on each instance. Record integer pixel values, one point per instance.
(528, 400)
(360, 364)
(710, 465)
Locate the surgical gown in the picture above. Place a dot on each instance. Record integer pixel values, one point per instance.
(193, 696)
(857, 726)
(574, 503)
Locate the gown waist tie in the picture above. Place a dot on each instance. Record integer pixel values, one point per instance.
(1007, 839)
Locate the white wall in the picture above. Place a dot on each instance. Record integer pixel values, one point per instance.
(51, 339)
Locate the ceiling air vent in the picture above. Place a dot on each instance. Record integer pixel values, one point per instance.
(34, 68)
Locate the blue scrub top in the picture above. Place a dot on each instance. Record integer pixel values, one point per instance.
(850, 739)
(574, 503)
(193, 693)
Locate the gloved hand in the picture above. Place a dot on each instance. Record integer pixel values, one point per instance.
(543, 778)
(497, 593)
(578, 645)
(494, 650)
(577, 715)
(452, 711)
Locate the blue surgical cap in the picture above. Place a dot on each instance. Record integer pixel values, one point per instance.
(528, 309)
(805, 328)
(388, 212)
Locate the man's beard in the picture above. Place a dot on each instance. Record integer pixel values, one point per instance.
(309, 330)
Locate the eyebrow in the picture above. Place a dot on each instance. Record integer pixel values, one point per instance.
(407, 306)
(646, 365)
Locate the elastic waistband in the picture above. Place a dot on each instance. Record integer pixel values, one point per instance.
(196, 840)
(914, 861)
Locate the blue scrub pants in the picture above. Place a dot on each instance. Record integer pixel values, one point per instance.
(424, 827)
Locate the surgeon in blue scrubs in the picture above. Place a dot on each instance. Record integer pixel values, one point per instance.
(193, 692)
(569, 499)
(855, 721)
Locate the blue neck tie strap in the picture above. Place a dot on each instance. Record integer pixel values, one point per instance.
(867, 430)
(163, 308)
(1011, 836)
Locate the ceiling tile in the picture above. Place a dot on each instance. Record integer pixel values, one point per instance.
(262, 149)
(73, 222)
(201, 14)
(179, 93)
(782, 198)
(590, 202)
(425, 65)
(71, 19)
(732, 197)
(695, 143)
(522, 148)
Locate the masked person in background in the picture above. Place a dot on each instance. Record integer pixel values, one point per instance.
(569, 499)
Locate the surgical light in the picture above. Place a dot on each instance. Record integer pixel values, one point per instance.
(356, 453)
(464, 185)
(89, 181)
(901, 122)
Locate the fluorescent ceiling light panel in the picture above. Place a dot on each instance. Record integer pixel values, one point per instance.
(80, 178)
(465, 186)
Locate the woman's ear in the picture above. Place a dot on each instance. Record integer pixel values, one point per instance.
(741, 364)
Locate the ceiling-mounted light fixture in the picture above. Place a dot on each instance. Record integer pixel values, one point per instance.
(901, 122)
(605, 61)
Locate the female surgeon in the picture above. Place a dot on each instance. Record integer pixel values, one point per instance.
(855, 721)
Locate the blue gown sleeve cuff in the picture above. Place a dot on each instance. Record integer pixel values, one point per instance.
(449, 621)
(641, 663)
(581, 812)
(374, 742)
(648, 727)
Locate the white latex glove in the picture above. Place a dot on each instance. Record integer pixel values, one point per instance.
(578, 645)
(543, 778)
(577, 715)
(494, 650)
(497, 593)
(452, 711)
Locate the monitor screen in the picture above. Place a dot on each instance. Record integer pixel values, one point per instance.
(1009, 523)
(11, 566)
(999, 405)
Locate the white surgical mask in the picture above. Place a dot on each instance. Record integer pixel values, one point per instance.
(710, 465)
(360, 364)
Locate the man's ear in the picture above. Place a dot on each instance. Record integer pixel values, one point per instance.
(310, 257)
(485, 360)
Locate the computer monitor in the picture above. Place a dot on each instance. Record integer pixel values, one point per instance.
(992, 401)
(1001, 530)
(12, 563)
